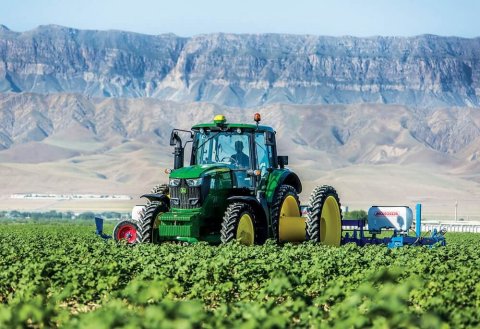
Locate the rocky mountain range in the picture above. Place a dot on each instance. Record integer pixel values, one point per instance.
(243, 70)
(387, 120)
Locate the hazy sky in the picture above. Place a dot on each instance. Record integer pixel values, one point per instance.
(186, 18)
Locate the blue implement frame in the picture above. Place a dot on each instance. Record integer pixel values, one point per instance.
(357, 235)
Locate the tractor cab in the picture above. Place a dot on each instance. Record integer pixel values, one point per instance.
(247, 150)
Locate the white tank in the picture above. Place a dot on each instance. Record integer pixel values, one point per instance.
(393, 217)
(137, 212)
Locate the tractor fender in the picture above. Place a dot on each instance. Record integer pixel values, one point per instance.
(251, 200)
(282, 177)
(256, 205)
(157, 197)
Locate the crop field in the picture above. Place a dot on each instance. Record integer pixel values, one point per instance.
(62, 276)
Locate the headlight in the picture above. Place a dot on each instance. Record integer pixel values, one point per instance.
(174, 182)
(194, 182)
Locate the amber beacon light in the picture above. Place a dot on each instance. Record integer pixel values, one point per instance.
(257, 118)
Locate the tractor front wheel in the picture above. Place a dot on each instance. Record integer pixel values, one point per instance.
(126, 231)
(239, 223)
(324, 216)
(148, 222)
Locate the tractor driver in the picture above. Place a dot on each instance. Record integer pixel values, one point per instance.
(240, 158)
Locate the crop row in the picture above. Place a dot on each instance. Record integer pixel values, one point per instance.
(61, 275)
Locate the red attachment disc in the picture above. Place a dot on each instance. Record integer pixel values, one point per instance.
(127, 232)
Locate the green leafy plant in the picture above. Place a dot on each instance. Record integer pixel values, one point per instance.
(60, 275)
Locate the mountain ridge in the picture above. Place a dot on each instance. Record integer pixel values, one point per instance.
(243, 70)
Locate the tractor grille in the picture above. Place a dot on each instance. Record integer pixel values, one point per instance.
(185, 197)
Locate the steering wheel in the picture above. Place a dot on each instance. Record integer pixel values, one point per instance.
(230, 159)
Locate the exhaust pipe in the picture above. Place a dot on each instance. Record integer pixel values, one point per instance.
(178, 154)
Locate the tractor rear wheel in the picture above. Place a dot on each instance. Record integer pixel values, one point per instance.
(148, 222)
(324, 216)
(126, 230)
(285, 204)
(239, 223)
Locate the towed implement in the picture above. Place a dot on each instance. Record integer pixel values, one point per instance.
(235, 187)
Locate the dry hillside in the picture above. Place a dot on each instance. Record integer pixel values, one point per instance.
(373, 154)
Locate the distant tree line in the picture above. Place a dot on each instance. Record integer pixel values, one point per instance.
(355, 214)
(56, 215)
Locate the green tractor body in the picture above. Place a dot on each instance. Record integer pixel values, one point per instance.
(235, 187)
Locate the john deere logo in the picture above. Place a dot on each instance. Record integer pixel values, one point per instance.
(183, 190)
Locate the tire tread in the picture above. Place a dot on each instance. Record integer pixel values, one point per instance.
(315, 206)
(231, 218)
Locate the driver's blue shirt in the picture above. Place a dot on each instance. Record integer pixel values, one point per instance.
(241, 159)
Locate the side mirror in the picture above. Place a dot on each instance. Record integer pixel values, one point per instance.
(282, 161)
(269, 138)
(173, 138)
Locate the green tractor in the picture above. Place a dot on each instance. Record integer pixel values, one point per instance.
(236, 187)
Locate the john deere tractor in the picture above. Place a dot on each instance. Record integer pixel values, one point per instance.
(235, 187)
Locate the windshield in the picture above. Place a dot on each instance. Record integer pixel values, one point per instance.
(223, 147)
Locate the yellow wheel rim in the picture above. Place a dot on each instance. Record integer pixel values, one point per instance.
(291, 227)
(289, 207)
(245, 231)
(330, 223)
(156, 223)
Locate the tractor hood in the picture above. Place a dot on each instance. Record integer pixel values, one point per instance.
(197, 171)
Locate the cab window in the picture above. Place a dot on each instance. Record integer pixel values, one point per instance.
(223, 147)
(264, 154)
